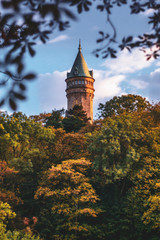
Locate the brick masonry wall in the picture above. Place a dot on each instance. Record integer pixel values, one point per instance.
(81, 95)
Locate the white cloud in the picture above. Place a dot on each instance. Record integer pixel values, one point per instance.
(139, 84)
(128, 62)
(148, 12)
(54, 40)
(58, 39)
(107, 86)
(158, 64)
(154, 85)
(51, 89)
(148, 85)
(155, 73)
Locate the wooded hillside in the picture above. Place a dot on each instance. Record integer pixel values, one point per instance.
(93, 182)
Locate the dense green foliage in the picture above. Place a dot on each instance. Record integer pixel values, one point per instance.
(101, 183)
(55, 119)
(73, 121)
(124, 103)
(76, 118)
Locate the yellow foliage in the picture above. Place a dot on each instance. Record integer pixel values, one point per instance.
(88, 212)
(152, 215)
(43, 191)
(6, 212)
(71, 192)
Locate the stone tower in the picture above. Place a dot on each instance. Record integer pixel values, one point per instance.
(79, 85)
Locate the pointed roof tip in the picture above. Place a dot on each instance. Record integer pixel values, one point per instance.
(79, 48)
(80, 67)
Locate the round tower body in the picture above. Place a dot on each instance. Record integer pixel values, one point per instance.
(80, 86)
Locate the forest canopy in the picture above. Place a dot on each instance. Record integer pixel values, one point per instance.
(99, 183)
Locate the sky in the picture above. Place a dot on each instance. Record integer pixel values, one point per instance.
(129, 73)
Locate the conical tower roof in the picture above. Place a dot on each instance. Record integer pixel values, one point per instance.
(80, 67)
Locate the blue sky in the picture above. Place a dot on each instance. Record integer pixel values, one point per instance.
(129, 73)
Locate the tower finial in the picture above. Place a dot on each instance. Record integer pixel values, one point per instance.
(79, 45)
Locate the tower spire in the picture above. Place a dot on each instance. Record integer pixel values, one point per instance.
(79, 48)
(80, 85)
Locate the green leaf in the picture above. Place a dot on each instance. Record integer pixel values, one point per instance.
(12, 104)
(29, 76)
(19, 96)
